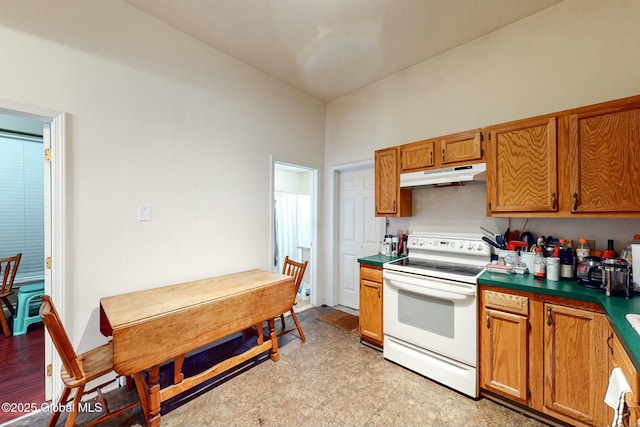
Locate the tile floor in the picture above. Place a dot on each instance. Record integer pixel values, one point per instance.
(331, 380)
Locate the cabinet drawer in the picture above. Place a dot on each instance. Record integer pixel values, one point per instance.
(370, 273)
(506, 302)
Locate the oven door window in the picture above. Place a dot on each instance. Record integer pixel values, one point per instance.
(427, 313)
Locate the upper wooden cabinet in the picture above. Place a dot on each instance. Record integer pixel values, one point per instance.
(390, 200)
(464, 147)
(579, 162)
(604, 152)
(417, 156)
(522, 166)
(455, 149)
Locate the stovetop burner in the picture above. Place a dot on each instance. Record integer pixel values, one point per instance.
(438, 266)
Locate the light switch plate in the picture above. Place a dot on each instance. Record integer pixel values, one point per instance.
(144, 213)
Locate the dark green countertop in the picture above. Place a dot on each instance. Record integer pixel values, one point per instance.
(378, 260)
(615, 308)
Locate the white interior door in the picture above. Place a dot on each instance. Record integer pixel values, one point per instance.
(360, 231)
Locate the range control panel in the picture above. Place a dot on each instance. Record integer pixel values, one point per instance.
(452, 245)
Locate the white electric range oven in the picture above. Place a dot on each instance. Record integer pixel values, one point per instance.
(430, 307)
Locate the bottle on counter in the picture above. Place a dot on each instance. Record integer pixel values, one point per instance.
(567, 261)
(553, 268)
(387, 245)
(394, 246)
(609, 252)
(567, 264)
(539, 265)
(583, 250)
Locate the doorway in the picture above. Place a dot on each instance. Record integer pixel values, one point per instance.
(294, 229)
(51, 126)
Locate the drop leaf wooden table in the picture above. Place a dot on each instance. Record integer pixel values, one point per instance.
(153, 326)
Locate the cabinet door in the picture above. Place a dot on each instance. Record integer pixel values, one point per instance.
(575, 363)
(504, 354)
(390, 200)
(461, 148)
(605, 153)
(387, 181)
(371, 311)
(522, 166)
(417, 156)
(621, 359)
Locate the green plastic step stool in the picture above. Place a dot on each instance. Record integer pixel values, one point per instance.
(27, 294)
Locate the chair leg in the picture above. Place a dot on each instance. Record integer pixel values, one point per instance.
(56, 414)
(5, 325)
(295, 319)
(71, 418)
(8, 304)
(282, 320)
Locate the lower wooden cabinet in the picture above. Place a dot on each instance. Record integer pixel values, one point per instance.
(371, 304)
(619, 358)
(575, 364)
(546, 353)
(504, 342)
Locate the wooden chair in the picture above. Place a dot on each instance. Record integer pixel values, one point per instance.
(8, 269)
(295, 269)
(78, 369)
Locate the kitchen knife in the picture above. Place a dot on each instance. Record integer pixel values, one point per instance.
(491, 242)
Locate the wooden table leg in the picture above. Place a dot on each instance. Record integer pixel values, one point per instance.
(154, 396)
(143, 394)
(273, 351)
(178, 376)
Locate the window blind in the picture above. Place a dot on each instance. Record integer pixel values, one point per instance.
(22, 203)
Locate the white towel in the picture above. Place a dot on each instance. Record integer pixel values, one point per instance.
(618, 387)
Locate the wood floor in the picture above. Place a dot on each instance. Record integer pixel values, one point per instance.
(22, 375)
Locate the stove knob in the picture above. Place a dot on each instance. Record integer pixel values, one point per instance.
(480, 247)
(421, 242)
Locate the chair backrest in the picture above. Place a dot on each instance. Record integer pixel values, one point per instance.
(295, 269)
(59, 337)
(8, 269)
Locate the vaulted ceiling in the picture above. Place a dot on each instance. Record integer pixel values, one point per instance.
(328, 48)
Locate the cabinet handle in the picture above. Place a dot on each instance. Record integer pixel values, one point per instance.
(443, 155)
(488, 317)
(378, 292)
(575, 201)
(394, 206)
(430, 157)
(549, 316)
(609, 341)
(553, 201)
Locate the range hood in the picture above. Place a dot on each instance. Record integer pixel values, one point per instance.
(445, 176)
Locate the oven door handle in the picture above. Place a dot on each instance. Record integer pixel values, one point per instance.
(429, 285)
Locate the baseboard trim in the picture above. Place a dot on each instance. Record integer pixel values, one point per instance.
(523, 409)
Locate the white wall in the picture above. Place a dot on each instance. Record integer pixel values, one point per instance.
(155, 118)
(576, 53)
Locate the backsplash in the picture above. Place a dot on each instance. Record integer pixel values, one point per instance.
(462, 209)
